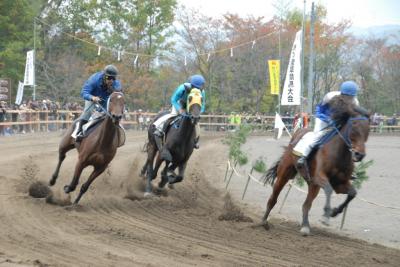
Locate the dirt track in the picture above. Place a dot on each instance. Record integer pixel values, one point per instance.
(115, 226)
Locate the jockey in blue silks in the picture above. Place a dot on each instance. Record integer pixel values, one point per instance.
(180, 96)
(97, 89)
(323, 113)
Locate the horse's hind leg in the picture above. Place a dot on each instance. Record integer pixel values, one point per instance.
(284, 174)
(143, 171)
(65, 146)
(96, 172)
(313, 190)
(151, 174)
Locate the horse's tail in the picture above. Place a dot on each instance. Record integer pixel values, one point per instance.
(270, 175)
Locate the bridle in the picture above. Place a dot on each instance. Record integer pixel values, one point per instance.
(346, 135)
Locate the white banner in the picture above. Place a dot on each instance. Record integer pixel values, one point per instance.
(292, 86)
(20, 93)
(29, 69)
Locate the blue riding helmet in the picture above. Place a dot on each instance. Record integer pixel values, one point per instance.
(197, 81)
(349, 88)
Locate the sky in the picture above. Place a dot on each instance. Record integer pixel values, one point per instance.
(363, 13)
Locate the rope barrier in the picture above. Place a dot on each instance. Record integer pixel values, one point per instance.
(291, 183)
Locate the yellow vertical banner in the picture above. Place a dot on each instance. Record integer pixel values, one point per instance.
(274, 76)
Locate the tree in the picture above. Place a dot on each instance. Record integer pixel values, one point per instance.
(16, 28)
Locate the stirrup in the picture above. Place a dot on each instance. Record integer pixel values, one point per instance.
(301, 162)
(158, 133)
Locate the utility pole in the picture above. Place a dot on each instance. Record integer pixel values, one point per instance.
(302, 57)
(311, 64)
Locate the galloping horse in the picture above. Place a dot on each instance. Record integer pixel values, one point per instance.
(330, 167)
(180, 139)
(97, 150)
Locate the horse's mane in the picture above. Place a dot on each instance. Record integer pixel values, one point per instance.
(342, 108)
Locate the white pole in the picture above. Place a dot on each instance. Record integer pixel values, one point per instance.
(302, 58)
(34, 56)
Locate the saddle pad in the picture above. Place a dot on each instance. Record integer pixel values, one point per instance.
(94, 119)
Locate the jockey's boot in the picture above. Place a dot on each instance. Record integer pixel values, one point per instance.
(164, 152)
(158, 136)
(196, 143)
(78, 134)
(301, 162)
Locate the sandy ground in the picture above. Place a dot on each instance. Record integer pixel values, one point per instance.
(115, 226)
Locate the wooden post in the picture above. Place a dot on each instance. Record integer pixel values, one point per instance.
(284, 200)
(226, 171)
(343, 218)
(230, 176)
(247, 183)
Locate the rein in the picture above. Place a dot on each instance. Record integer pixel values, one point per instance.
(106, 110)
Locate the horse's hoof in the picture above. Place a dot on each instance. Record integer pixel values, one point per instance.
(262, 224)
(148, 194)
(305, 231)
(68, 189)
(52, 182)
(335, 212)
(325, 220)
(174, 179)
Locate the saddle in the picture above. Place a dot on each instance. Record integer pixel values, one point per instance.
(95, 120)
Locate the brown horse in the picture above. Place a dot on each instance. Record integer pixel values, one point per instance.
(97, 149)
(329, 167)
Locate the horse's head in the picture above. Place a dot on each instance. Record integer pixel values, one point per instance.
(194, 103)
(356, 135)
(116, 106)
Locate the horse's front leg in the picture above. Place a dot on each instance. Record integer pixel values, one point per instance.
(172, 179)
(313, 190)
(351, 192)
(327, 208)
(164, 177)
(78, 171)
(96, 172)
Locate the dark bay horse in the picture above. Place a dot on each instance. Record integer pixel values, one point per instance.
(330, 167)
(180, 139)
(97, 149)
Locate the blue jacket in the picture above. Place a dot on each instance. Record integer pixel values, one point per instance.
(94, 87)
(181, 94)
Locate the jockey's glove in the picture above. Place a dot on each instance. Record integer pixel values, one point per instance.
(96, 99)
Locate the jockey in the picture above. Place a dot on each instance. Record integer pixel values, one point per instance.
(323, 117)
(180, 96)
(97, 89)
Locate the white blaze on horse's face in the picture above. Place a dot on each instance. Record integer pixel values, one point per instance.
(194, 102)
(116, 105)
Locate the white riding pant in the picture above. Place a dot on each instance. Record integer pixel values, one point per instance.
(159, 123)
(308, 141)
